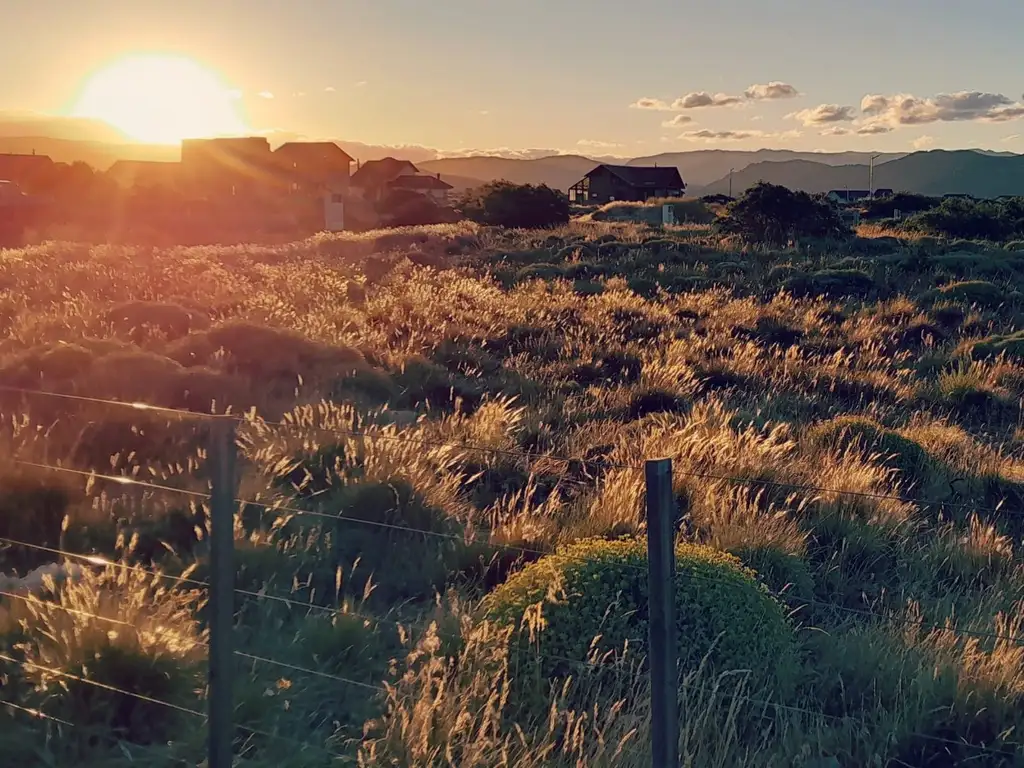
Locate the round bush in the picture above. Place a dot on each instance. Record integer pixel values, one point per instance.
(599, 588)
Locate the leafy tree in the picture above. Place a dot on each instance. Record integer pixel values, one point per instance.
(504, 204)
(772, 215)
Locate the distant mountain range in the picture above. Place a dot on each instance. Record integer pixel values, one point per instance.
(981, 173)
(935, 172)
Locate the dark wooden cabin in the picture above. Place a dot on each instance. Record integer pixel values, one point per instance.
(607, 183)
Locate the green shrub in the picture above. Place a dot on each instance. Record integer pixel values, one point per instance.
(787, 575)
(842, 282)
(504, 204)
(656, 401)
(1011, 345)
(542, 271)
(897, 451)
(643, 286)
(580, 251)
(405, 547)
(772, 215)
(33, 505)
(588, 288)
(980, 293)
(154, 654)
(599, 588)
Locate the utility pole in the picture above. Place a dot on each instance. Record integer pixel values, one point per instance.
(871, 176)
(730, 181)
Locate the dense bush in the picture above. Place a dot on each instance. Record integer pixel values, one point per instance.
(904, 202)
(598, 589)
(973, 219)
(504, 204)
(772, 215)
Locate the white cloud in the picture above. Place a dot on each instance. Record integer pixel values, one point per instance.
(648, 103)
(771, 91)
(835, 130)
(874, 129)
(361, 84)
(1011, 138)
(677, 121)
(329, 89)
(699, 99)
(596, 144)
(713, 136)
(823, 114)
(923, 142)
(265, 95)
(906, 109)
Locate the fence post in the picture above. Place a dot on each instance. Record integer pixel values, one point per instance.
(661, 568)
(222, 459)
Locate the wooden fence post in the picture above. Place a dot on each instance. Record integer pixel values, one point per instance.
(661, 568)
(222, 459)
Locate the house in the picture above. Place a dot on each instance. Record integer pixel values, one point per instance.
(848, 196)
(372, 178)
(229, 166)
(314, 165)
(145, 173)
(25, 169)
(425, 184)
(607, 183)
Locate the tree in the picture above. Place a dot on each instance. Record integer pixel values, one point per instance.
(772, 215)
(504, 204)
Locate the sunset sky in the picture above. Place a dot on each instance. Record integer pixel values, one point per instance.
(597, 77)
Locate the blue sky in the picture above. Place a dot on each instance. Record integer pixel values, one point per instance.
(558, 74)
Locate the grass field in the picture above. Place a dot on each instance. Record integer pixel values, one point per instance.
(845, 424)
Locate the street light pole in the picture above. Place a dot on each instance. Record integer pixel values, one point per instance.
(730, 181)
(871, 176)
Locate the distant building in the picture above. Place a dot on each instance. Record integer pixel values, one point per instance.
(374, 178)
(314, 165)
(145, 173)
(847, 196)
(24, 169)
(228, 166)
(608, 183)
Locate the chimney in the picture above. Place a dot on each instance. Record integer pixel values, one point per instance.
(439, 177)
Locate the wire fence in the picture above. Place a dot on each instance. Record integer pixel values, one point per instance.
(222, 503)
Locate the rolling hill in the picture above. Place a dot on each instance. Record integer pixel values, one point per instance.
(702, 167)
(557, 171)
(935, 172)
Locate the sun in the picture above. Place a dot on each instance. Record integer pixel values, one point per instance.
(160, 99)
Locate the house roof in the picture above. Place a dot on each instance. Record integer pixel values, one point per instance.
(419, 182)
(312, 150)
(11, 163)
(377, 173)
(666, 177)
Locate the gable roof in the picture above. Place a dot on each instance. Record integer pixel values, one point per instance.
(663, 177)
(419, 182)
(13, 164)
(312, 150)
(377, 173)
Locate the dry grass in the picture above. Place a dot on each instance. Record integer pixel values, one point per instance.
(372, 383)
